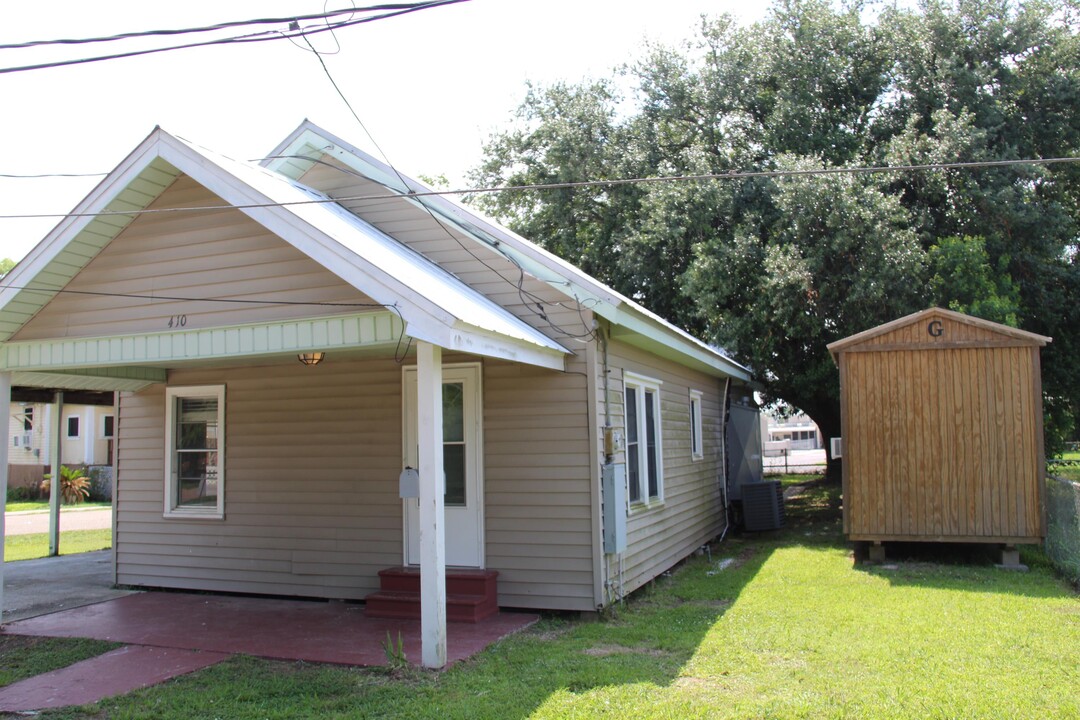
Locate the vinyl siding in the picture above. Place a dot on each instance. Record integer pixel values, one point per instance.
(311, 503)
(692, 511)
(198, 254)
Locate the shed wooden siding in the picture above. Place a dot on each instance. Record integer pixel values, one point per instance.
(942, 445)
(200, 254)
(942, 432)
(693, 510)
(479, 267)
(311, 502)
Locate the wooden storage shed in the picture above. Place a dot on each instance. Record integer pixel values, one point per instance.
(942, 431)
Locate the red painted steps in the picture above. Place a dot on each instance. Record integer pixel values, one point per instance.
(471, 595)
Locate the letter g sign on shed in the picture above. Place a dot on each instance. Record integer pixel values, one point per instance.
(935, 328)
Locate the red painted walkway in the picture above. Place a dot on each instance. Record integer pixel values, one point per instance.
(284, 629)
(114, 673)
(175, 633)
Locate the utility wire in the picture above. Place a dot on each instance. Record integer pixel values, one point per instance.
(172, 298)
(209, 28)
(264, 36)
(578, 184)
(51, 175)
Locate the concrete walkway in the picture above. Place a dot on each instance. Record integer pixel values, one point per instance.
(46, 585)
(73, 518)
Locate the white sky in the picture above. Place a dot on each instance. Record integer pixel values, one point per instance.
(430, 86)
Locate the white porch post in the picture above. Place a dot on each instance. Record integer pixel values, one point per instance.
(5, 425)
(55, 457)
(432, 514)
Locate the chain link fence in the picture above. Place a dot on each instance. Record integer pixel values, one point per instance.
(1063, 518)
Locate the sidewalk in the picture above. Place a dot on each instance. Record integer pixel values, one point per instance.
(71, 518)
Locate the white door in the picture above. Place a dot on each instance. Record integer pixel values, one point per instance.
(464, 494)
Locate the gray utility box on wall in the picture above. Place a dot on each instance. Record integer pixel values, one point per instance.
(763, 506)
(614, 481)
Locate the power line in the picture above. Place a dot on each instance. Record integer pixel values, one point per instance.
(206, 28)
(39, 176)
(264, 36)
(615, 182)
(174, 298)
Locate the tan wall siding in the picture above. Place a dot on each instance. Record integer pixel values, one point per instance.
(538, 517)
(942, 443)
(311, 501)
(692, 511)
(198, 254)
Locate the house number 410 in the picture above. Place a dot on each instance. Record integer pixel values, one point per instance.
(177, 321)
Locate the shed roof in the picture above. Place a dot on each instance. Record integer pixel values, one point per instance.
(1003, 331)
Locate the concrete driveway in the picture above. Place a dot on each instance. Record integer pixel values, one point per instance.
(46, 585)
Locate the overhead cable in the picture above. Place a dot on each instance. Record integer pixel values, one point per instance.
(564, 185)
(264, 36)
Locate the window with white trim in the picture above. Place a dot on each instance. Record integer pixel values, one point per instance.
(73, 426)
(696, 449)
(195, 451)
(644, 466)
(108, 426)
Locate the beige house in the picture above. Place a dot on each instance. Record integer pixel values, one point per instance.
(580, 438)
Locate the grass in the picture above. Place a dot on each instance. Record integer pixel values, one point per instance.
(22, 657)
(36, 545)
(780, 625)
(42, 505)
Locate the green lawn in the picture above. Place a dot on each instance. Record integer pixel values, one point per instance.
(36, 545)
(782, 625)
(42, 505)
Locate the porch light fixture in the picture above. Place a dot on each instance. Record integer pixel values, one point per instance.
(311, 358)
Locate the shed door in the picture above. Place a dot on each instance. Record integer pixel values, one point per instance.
(464, 496)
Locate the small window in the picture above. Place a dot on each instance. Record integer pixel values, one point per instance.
(644, 466)
(696, 449)
(107, 427)
(73, 426)
(195, 451)
(28, 419)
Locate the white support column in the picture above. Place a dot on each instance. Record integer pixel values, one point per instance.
(432, 513)
(5, 420)
(55, 458)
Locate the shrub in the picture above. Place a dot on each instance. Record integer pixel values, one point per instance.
(74, 485)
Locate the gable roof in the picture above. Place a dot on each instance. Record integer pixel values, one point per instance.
(633, 323)
(434, 304)
(917, 318)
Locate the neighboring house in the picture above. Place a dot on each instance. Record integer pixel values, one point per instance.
(86, 434)
(582, 437)
(797, 432)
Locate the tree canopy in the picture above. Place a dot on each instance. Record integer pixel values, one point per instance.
(774, 268)
(5, 266)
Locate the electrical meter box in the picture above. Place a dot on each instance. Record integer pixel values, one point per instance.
(614, 486)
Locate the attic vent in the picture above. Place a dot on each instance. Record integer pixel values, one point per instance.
(763, 505)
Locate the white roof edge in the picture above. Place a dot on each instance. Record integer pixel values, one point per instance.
(621, 307)
(54, 242)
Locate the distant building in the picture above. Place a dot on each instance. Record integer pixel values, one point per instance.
(797, 432)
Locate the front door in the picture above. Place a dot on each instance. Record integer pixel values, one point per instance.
(462, 463)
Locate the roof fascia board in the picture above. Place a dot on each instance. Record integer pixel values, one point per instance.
(423, 323)
(843, 344)
(693, 353)
(572, 282)
(39, 257)
(294, 230)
